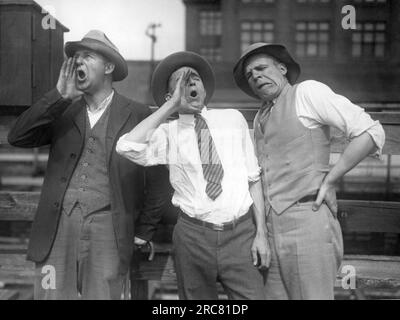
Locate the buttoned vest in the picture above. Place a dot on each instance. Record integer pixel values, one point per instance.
(293, 158)
(89, 185)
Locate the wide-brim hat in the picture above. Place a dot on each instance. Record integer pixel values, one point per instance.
(163, 71)
(97, 41)
(277, 51)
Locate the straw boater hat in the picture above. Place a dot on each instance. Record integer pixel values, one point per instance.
(97, 41)
(277, 51)
(161, 75)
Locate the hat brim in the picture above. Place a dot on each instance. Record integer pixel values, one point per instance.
(121, 68)
(163, 71)
(276, 51)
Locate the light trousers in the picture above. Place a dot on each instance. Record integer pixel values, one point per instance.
(307, 250)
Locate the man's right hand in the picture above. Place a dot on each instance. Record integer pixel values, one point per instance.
(178, 98)
(66, 84)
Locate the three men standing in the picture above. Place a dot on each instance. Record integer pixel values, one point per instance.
(91, 197)
(293, 146)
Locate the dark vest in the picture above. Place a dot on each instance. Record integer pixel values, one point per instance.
(89, 185)
(293, 158)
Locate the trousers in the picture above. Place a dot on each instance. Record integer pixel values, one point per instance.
(307, 250)
(84, 261)
(203, 257)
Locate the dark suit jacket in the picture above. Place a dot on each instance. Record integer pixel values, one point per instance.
(135, 191)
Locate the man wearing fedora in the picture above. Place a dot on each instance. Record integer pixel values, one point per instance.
(292, 139)
(214, 172)
(93, 200)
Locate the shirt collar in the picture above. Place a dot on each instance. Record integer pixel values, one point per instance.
(189, 118)
(104, 104)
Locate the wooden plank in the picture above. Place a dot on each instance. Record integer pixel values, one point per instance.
(10, 277)
(362, 216)
(15, 261)
(13, 248)
(369, 216)
(10, 240)
(392, 141)
(386, 117)
(13, 181)
(18, 206)
(23, 157)
(8, 294)
(375, 271)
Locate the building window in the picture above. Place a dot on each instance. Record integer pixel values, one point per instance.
(312, 39)
(258, 1)
(256, 31)
(369, 40)
(210, 23)
(212, 54)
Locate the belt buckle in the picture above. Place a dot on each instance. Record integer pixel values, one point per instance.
(218, 227)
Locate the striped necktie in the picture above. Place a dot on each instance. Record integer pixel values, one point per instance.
(213, 171)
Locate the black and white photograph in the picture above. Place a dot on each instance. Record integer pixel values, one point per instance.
(200, 154)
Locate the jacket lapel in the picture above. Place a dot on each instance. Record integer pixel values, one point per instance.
(79, 116)
(119, 115)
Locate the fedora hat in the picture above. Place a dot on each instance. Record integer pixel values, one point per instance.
(277, 51)
(163, 71)
(97, 41)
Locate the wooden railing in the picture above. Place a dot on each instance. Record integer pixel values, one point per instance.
(377, 276)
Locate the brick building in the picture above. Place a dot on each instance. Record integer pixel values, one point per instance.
(362, 64)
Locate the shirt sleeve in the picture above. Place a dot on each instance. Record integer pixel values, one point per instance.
(151, 153)
(253, 169)
(317, 105)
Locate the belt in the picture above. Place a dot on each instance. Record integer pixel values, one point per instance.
(309, 198)
(217, 227)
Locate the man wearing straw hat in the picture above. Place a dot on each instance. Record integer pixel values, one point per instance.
(83, 233)
(216, 178)
(293, 147)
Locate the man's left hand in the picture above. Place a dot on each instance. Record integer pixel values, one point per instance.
(141, 243)
(327, 193)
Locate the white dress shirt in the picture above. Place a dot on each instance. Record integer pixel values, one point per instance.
(317, 105)
(94, 116)
(175, 144)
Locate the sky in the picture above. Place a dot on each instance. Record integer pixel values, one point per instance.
(124, 22)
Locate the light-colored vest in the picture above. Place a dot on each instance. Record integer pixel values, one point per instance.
(293, 158)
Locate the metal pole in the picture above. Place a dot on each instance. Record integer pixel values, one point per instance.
(151, 33)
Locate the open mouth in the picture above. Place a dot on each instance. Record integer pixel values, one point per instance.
(81, 74)
(193, 93)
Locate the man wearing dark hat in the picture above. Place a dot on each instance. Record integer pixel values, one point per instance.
(216, 178)
(83, 233)
(293, 146)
